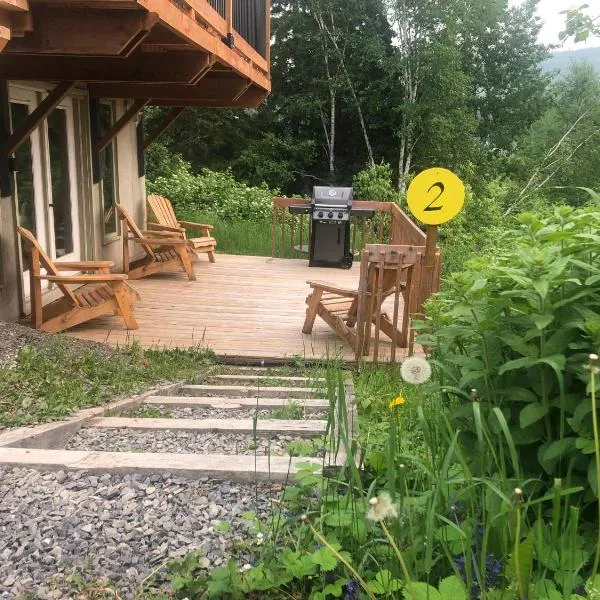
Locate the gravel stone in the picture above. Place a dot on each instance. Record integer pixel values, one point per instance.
(50, 530)
(161, 411)
(179, 442)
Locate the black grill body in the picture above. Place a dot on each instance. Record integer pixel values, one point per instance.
(331, 208)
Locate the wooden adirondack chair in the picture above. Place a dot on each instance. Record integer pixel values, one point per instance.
(384, 271)
(167, 221)
(100, 292)
(164, 250)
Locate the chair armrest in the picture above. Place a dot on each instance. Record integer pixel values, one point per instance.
(158, 227)
(328, 287)
(84, 265)
(189, 225)
(166, 241)
(94, 278)
(169, 234)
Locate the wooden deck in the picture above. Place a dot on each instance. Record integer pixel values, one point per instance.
(240, 306)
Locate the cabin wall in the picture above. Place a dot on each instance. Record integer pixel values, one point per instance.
(94, 245)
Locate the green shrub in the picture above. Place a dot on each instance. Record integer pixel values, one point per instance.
(512, 337)
(374, 182)
(213, 192)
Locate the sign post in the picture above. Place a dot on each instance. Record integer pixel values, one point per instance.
(435, 197)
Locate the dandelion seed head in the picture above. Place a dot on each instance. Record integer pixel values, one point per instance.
(518, 491)
(593, 357)
(415, 370)
(304, 518)
(383, 508)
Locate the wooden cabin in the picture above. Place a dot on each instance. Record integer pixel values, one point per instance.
(75, 76)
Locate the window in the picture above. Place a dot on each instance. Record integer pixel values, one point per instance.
(108, 171)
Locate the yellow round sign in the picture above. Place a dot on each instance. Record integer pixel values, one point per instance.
(436, 196)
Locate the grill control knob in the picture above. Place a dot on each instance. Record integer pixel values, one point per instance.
(320, 215)
(340, 215)
(330, 216)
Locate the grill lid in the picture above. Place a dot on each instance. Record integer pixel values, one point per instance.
(332, 196)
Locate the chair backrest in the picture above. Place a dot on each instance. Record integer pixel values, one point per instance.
(384, 271)
(46, 262)
(132, 226)
(162, 209)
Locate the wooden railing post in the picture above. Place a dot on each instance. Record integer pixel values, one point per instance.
(229, 19)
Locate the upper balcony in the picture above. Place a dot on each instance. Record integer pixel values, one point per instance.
(165, 52)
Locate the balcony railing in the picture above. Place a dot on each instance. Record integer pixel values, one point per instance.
(249, 19)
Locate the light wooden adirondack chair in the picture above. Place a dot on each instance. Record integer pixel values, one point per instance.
(384, 271)
(164, 250)
(100, 292)
(167, 221)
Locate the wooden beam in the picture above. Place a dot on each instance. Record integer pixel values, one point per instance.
(163, 126)
(44, 108)
(130, 114)
(210, 62)
(159, 68)
(6, 177)
(242, 91)
(88, 31)
(251, 99)
(209, 88)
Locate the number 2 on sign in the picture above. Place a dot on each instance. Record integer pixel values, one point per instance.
(442, 189)
(435, 196)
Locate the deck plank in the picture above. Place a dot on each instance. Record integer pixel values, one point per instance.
(239, 306)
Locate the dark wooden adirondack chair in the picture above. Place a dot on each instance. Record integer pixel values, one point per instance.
(99, 291)
(167, 221)
(164, 251)
(384, 271)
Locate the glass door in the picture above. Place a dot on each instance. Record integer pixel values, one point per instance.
(46, 181)
(29, 187)
(63, 205)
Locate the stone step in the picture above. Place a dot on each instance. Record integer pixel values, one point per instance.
(193, 466)
(239, 391)
(264, 427)
(257, 380)
(308, 406)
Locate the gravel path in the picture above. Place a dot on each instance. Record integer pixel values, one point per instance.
(156, 411)
(121, 528)
(180, 442)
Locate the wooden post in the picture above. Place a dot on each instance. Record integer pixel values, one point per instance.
(229, 19)
(430, 245)
(268, 35)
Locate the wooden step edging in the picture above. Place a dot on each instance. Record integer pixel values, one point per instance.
(258, 379)
(308, 406)
(244, 468)
(238, 391)
(264, 427)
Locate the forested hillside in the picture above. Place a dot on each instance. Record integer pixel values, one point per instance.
(562, 61)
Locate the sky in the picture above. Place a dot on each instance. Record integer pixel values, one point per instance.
(549, 11)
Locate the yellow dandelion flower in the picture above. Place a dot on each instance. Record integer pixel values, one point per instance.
(399, 401)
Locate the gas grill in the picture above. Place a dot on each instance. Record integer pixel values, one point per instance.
(330, 210)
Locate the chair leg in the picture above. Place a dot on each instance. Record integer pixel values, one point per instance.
(211, 256)
(123, 304)
(186, 263)
(311, 312)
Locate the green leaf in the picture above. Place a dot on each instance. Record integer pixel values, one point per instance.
(532, 413)
(586, 446)
(335, 589)
(325, 558)
(384, 583)
(558, 449)
(452, 588)
(421, 591)
(522, 564)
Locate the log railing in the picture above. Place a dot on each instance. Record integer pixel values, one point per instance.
(290, 238)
